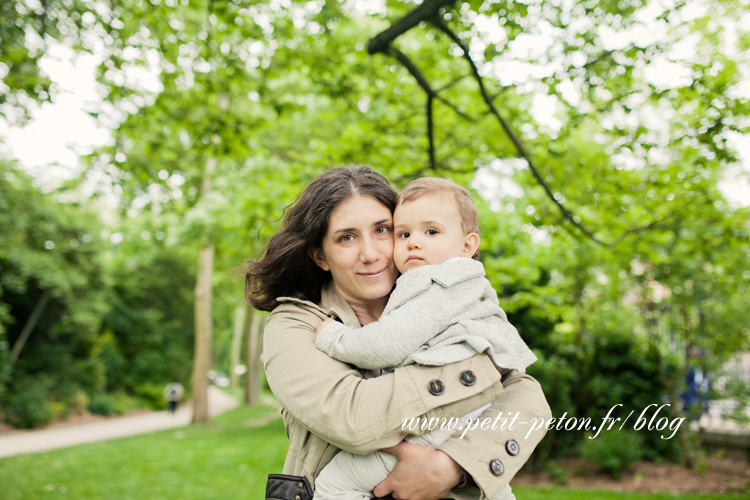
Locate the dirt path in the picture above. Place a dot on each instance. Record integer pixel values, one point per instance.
(720, 476)
(49, 439)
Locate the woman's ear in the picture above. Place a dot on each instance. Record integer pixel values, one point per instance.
(471, 245)
(316, 254)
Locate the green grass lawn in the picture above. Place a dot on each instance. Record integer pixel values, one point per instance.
(225, 461)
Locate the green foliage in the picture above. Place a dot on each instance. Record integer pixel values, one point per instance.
(29, 405)
(556, 473)
(148, 330)
(102, 404)
(114, 403)
(275, 93)
(152, 395)
(48, 248)
(79, 403)
(737, 391)
(613, 451)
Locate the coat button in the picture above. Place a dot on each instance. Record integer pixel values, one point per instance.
(300, 485)
(297, 497)
(436, 387)
(497, 467)
(467, 377)
(512, 447)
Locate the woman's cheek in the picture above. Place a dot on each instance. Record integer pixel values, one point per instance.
(399, 250)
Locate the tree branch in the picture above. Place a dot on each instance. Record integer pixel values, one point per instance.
(29, 326)
(427, 9)
(575, 220)
(422, 81)
(430, 132)
(452, 83)
(431, 95)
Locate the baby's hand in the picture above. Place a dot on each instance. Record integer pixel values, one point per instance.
(322, 325)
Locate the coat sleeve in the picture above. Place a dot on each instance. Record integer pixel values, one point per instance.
(335, 402)
(525, 407)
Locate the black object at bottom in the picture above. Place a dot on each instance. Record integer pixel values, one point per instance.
(286, 487)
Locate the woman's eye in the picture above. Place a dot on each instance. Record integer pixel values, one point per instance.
(432, 232)
(382, 230)
(346, 237)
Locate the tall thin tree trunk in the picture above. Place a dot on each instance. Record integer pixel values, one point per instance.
(29, 326)
(253, 377)
(239, 327)
(203, 318)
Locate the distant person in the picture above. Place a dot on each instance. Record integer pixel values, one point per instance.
(173, 393)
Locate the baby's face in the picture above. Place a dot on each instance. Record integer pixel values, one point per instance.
(427, 231)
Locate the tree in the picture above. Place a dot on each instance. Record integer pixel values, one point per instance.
(608, 209)
(52, 292)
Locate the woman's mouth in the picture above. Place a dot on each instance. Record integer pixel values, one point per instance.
(375, 274)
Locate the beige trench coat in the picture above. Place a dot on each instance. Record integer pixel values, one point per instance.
(329, 405)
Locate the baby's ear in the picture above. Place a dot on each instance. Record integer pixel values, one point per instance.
(316, 254)
(471, 245)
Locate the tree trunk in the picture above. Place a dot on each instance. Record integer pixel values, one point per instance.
(203, 319)
(253, 375)
(239, 326)
(29, 326)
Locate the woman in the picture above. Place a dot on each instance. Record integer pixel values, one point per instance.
(334, 257)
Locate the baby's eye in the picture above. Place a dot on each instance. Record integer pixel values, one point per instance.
(405, 234)
(432, 232)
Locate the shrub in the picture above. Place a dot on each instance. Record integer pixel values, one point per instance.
(613, 451)
(556, 473)
(79, 403)
(113, 403)
(102, 404)
(152, 395)
(28, 404)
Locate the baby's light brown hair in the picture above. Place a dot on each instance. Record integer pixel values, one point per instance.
(432, 185)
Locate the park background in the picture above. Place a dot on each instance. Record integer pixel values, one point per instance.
(605, 143)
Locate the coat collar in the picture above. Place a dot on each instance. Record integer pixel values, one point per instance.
(331, 304)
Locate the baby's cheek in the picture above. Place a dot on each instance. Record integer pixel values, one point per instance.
(399, 249)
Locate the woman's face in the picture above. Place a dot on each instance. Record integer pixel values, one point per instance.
(358, 250)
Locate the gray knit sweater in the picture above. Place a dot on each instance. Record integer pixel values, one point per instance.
(436, 315)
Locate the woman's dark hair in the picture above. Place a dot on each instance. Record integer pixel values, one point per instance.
(285, 268)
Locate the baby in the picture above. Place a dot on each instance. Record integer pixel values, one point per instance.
(442, 310)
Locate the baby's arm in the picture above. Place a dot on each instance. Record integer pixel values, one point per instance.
(396, 335)
(322, 325)
(377, 345)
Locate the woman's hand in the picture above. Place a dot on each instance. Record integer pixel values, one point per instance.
(422, 473)
(322, 325)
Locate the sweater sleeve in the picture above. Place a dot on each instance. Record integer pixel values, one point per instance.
(400, 332)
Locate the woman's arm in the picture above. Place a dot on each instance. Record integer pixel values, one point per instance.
(490, 456)
(477, 451)
(360, 415)
(422, 473)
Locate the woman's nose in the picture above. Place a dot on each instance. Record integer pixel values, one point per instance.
(369, 251)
